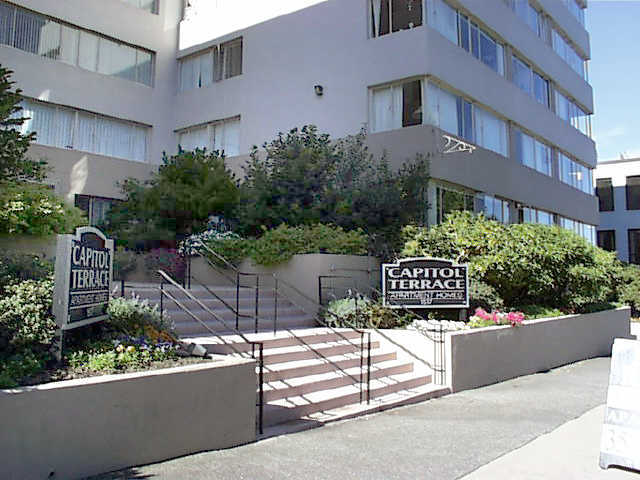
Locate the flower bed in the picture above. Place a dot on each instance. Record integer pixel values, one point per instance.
(482, 356)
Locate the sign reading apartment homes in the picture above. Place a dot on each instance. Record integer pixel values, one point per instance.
(621, 430)
(83, 275)
(425, 283)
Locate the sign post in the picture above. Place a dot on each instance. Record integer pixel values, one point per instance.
(83, 276)
(425, 283)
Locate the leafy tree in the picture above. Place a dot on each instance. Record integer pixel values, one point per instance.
(14, 166)
(177, 201)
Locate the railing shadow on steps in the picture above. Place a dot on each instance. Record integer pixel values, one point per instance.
(434, 332)
(365, 374)
(167, 280)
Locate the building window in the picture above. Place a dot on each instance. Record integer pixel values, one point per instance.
(574, 174)
(530, 82)
(64, 127)
(394, 15)
(576, 10)
(493, 208)
(528, 15)
(396, 106)
(150, 6)
(96, 208)
(541, 89)
(459, 29)
(533, 215)
(588, 232)
(40, 35)
(607, 240)
(633, 193)
(450, 200)
(217, 63)
(634, 246)
(604, 191)
(460, 117)
(564, 49)
(222, 136)
(571, 113)
(532, 153)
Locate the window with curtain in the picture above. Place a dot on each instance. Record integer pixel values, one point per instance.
(444, 18)
(40, 35)
(571, 113)
(491, 132)
(223, 136)
(528, 14)
(64, 127)
(522, 75)
(541, 89)
(394, 15)
(442, 109)
(568, 53)
(232, 58)
(574, 174)
(532, 153)
(396, 106)
(212, 65)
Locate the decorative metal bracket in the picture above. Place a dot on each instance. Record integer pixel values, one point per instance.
(456, 145)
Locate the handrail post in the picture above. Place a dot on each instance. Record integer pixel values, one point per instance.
(261, 380)
(275, 307)
(369, 369)
(257, 300)
(122, 287)
(320, 289)
(237, 298)
(162, 297)
(361, 365)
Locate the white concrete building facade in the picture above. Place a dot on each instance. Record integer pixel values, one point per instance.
(128, 79)
(618, 190)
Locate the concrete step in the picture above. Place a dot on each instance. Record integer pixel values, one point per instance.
(187, 327)
(152, 292)
(283, 410)
(329, 380)
(297, 352)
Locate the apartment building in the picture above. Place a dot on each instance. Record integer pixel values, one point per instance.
(618, 190)
(506, 76)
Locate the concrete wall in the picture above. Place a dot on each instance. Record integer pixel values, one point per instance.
(77, 428)
(489, 355)
(620, 219)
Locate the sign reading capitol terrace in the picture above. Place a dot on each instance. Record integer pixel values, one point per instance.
(84, 271)
(425, 283)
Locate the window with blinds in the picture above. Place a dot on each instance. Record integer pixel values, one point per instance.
(223, 136)
(64, 127)
(213, 65)
(40, 35)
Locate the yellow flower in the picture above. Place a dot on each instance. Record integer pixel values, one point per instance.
(120, 348)
(131, 349)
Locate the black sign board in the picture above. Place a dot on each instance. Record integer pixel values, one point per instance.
(425, 283)
(84, 266)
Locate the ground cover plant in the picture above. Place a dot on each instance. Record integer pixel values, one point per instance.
(359, 311)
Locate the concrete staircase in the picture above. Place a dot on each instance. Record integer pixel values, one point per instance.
(311, 375)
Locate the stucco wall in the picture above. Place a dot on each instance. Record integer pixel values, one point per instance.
(85, 427)
(484, 356)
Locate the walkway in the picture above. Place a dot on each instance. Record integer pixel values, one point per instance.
(441, 439)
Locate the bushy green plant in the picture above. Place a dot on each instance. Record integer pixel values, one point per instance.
(282, 243)
(124, 262)
(120, 356)
(524, 263)
(539, 311)
(26, 319)
(16, 267)
(16, 367)
(484, 296)
(361, 312)
(628, 286)
(132, 316)
(33, 209)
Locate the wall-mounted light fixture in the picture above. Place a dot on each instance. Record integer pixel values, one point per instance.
(319, 89)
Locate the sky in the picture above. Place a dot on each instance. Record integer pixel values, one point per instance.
(614, 74)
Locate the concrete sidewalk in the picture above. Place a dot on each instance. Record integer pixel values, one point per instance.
(440, 439)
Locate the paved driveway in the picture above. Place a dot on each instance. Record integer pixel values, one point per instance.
(441, 439)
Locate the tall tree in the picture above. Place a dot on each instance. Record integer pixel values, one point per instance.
(14, 165)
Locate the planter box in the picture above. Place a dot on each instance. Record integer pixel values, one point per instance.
(76, 428)
(484, 356)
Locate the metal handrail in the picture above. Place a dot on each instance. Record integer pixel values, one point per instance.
(318, 319)
(164, 277)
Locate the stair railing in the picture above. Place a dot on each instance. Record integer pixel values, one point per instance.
(365, 375)
(166, 279)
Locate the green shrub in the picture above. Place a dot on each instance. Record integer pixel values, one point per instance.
(282, 243)
(629, 287)
(18, 367)
(539, 311)
(16, 267)
(234, 250)
(112, 358)
(482, 295)
(34, 209)
(524, 263)
(361, 312)
(26, 319)
(131, 316)
(124, 262)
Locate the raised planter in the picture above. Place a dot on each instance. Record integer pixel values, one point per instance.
(76, 428)
(483, 356)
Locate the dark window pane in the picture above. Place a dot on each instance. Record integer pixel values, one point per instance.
(464, 32)
(633, 193)
(383, 25)
(475, 42)
(82, 202)
(406, 14)
(607, 240)
(412, 104)
(488, 51)
(604, 191)
(7, 13)
(634, 246)
(541, 87)
(465, 119)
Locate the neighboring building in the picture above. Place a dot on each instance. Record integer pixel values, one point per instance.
(508, 76)
(618, 190)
